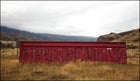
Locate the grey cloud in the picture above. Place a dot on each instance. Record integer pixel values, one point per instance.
(46, 17)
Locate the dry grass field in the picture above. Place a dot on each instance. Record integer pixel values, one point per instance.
(12, 69)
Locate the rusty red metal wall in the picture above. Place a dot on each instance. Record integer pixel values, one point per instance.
(40, 52)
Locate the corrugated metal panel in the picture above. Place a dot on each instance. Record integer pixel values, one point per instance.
(67, 51)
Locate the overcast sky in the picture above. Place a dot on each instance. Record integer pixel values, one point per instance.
(78, 18)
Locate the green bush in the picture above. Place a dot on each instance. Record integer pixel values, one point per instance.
(9, 45)
(131, 46)
(17, 44)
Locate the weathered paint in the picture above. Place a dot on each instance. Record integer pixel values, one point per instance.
(41, 52)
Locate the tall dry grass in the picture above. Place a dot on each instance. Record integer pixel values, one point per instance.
(133, 55)
(9, 52)
(11, 69)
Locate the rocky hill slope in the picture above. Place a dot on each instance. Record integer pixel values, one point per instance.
(128, 36)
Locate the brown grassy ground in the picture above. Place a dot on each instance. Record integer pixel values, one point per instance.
(11, 69)
(9, 53)
(133, 55)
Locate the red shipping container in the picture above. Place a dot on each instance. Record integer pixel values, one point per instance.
(48, 52)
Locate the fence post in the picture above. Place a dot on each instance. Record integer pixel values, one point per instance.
(17, 53)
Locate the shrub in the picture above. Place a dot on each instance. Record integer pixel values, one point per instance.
(17, 44)
(9, 45)
(131, 46)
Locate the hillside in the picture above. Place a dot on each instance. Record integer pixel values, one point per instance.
(128, 36)
(9, 34)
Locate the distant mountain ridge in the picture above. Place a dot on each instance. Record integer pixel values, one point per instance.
(18, 35)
